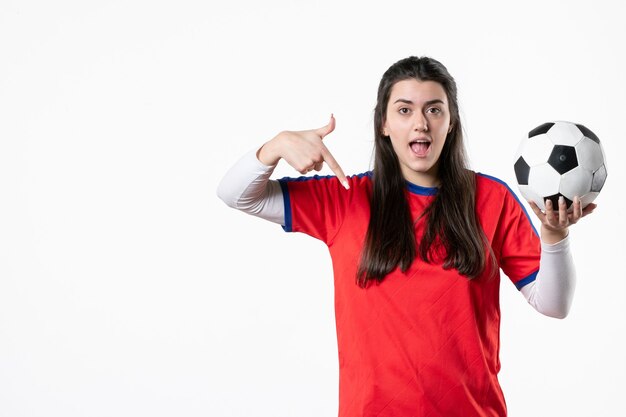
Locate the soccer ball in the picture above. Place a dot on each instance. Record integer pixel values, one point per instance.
(560, 159)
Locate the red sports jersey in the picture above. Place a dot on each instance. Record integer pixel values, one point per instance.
(424, 342)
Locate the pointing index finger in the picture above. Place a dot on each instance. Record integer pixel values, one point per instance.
(334, 166)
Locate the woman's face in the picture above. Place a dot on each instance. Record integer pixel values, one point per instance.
(418, 121)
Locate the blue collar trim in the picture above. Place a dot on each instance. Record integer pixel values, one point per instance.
(419, 190)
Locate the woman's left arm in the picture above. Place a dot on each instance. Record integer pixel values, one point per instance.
(552, 291)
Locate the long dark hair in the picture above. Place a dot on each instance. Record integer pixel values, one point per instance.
(451, 221)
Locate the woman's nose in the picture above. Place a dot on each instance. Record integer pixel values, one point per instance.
(420, 124)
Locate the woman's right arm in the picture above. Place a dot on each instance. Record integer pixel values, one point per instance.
(247, 187)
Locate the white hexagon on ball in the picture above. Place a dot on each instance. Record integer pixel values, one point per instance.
(576, 182)
(565, 133)
(544, 180)
(589, 154)
(537, 150)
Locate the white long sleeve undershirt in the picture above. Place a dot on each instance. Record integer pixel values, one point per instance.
(247, 187)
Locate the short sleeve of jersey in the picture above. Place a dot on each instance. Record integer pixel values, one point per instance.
(315, 205)
(515, 239)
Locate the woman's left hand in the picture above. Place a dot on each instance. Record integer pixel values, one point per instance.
(555, 223)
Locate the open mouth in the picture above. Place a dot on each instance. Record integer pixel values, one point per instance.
(420, 147)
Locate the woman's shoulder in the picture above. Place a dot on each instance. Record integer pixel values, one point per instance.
(360, 185)
(491, 183)
(362, 178)
(496, 200)
(491, 189)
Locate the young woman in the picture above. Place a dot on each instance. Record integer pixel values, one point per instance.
(417, 247)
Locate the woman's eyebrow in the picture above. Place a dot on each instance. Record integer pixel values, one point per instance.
(429, 102)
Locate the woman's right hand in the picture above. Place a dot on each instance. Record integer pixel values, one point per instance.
(304, 150)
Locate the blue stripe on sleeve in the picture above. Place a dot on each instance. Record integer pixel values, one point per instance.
(524, 281)
(286, 201)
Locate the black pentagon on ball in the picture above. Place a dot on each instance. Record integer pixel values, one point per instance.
(563, 158)
(588, 133)
(540, 129)
(598, 179)
(555, 200)
(521, 171)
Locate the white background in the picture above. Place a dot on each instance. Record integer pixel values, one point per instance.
(128, 289)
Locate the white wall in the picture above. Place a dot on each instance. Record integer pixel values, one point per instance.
(127, 288)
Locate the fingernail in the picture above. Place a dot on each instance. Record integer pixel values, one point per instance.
(561, 199)
(345, 185)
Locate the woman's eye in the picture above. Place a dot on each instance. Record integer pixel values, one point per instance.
(404, 110)
(434, 110)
